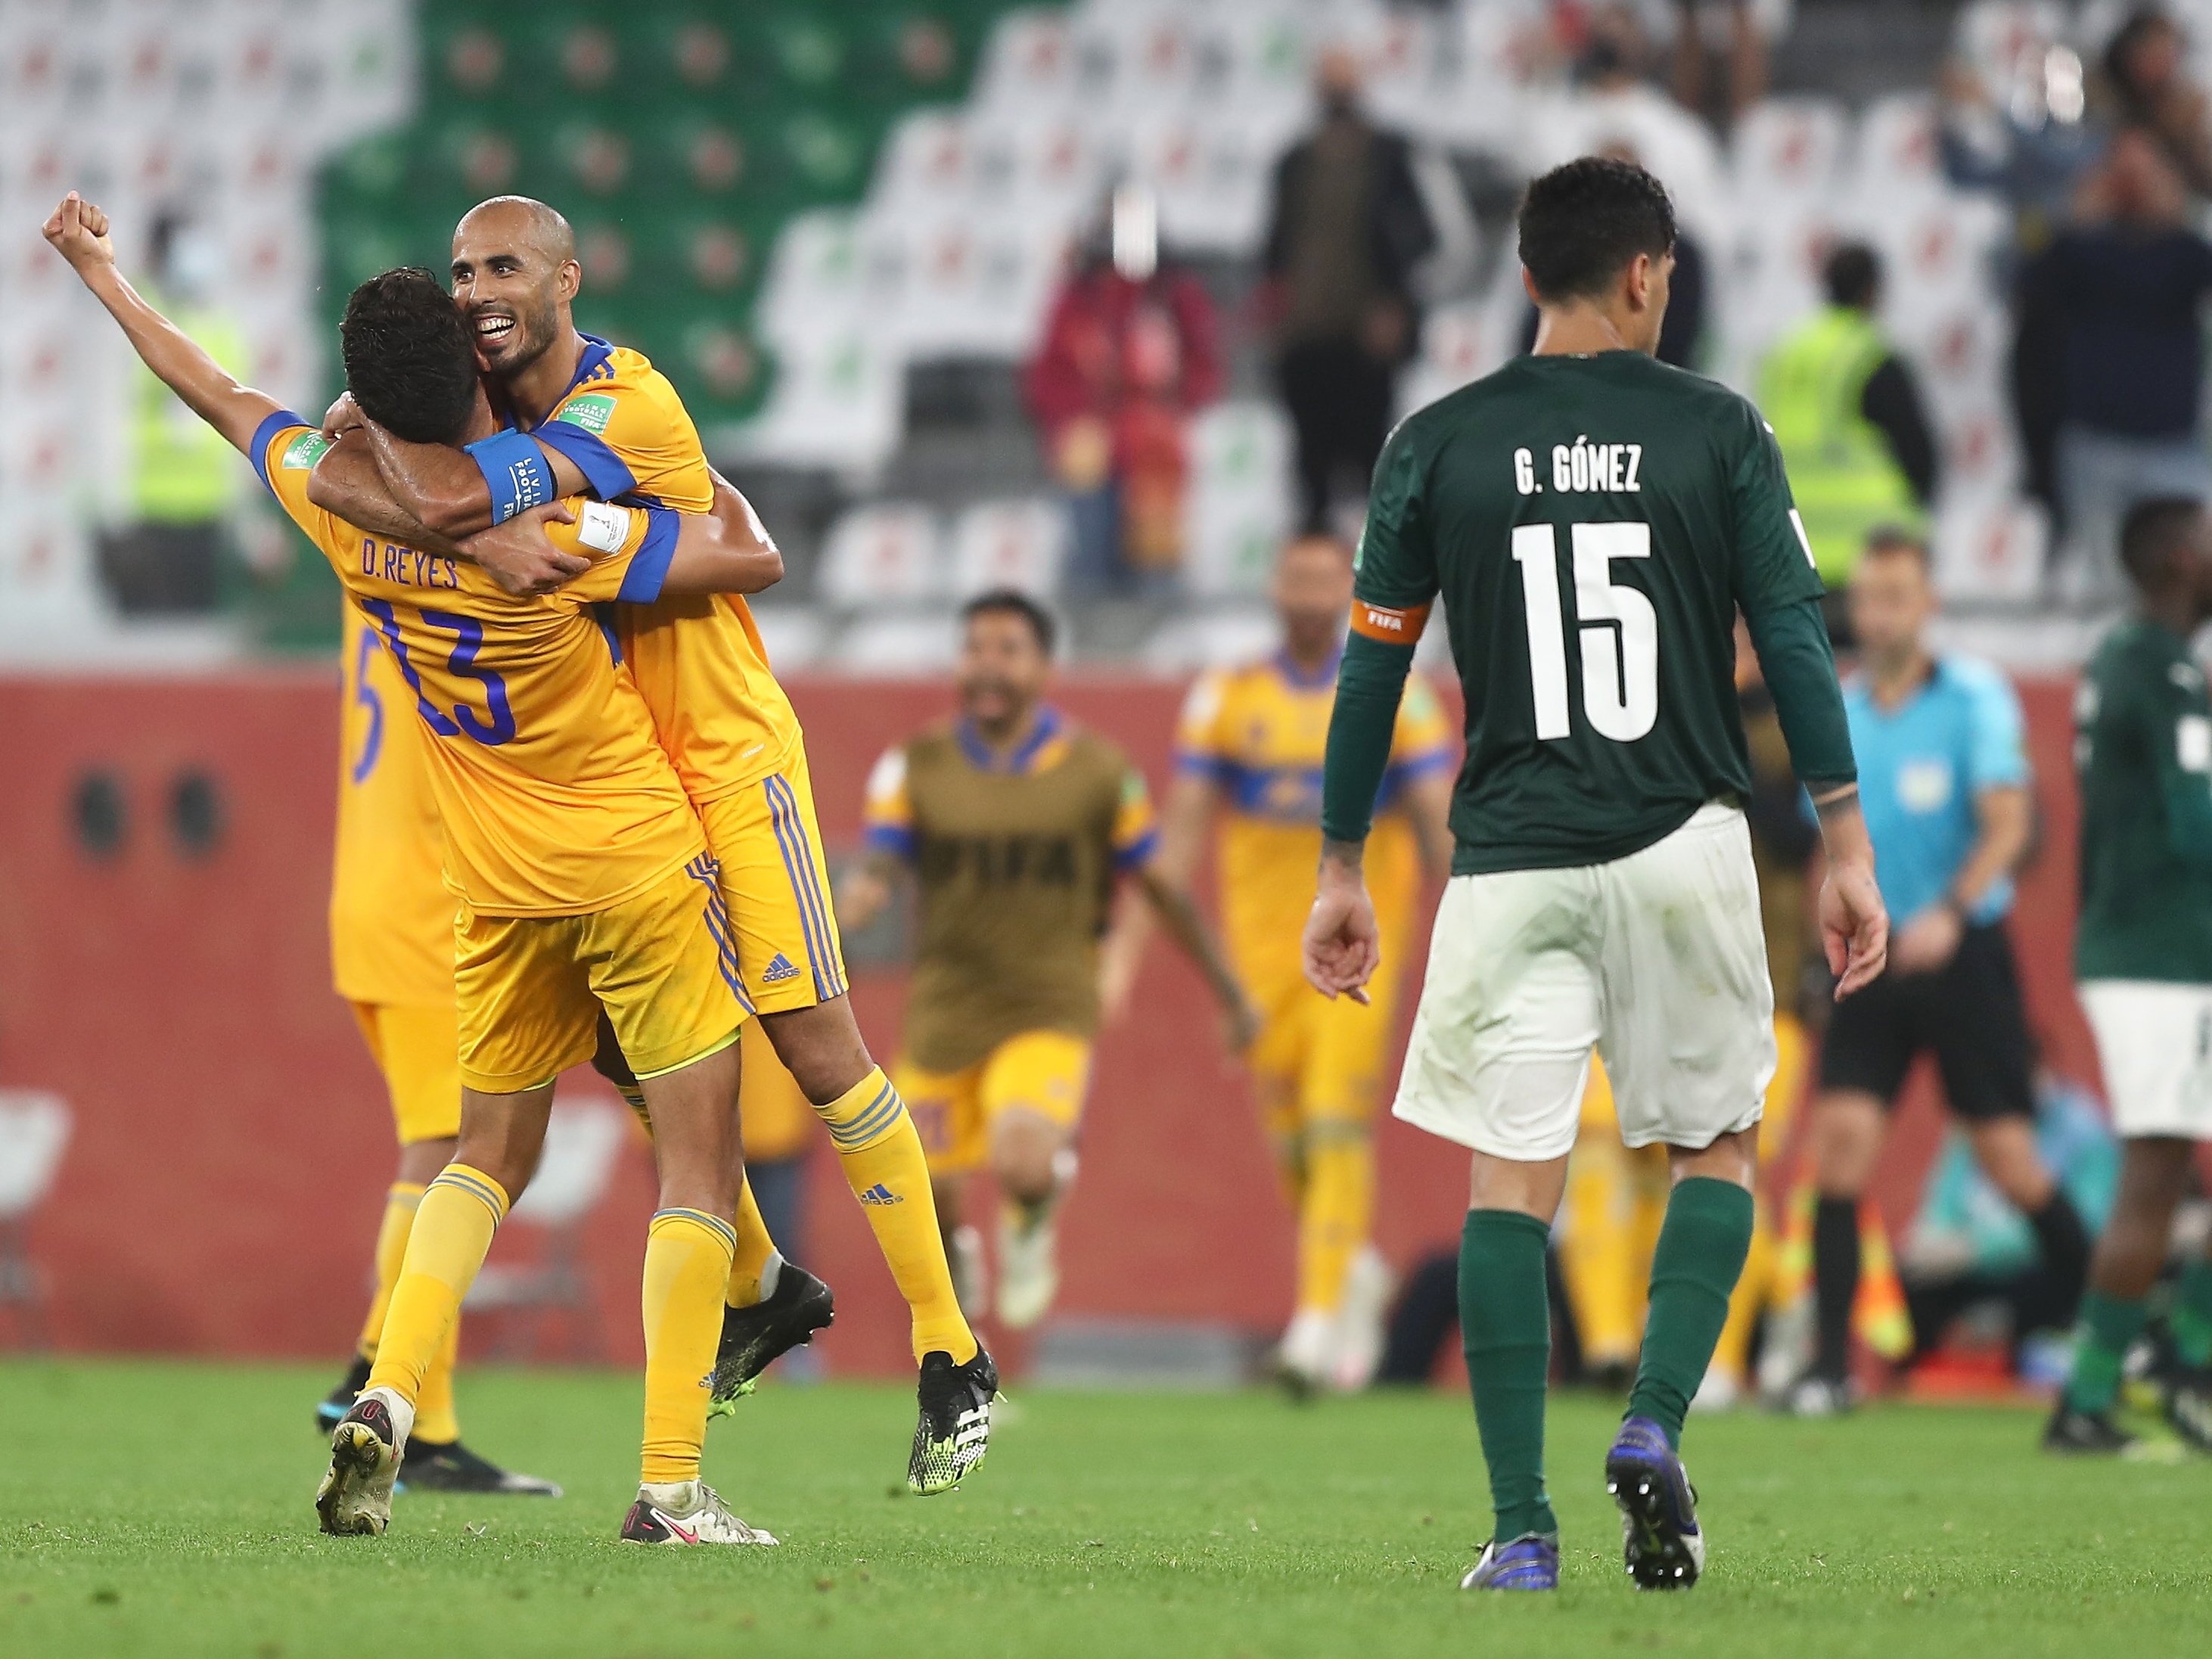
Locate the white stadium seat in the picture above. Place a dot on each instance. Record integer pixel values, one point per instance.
(1237, 508)
(885, 556)
(1212, 639)
(904, 646)
(1789, 147)
(1020, 543)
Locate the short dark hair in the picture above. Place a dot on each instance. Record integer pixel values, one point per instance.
(409, 363)
(1581, 225)
(1898, 538)
(1852, 275)
(1012, 602)
(2151, 529)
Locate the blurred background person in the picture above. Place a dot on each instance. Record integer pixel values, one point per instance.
(1847, 412)
(1248, 759)
(2108, 362)
(1944, 780)
(2145, 84)
(1131, 351)
(1720, 65)
(1347, 227)
(183, 477)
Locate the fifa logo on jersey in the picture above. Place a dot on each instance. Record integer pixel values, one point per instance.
(880, 1194)
(778, 970)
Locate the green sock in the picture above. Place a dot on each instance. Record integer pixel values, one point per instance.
(2108, 1328)
(1505, 1325)
(2191, 1321)
(1700, 1254)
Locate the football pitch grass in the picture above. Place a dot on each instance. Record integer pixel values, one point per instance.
(165, 1509)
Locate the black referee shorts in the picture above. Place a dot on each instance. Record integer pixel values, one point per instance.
(1968, 1013)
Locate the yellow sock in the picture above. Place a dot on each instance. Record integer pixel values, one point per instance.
(1338, 1203)
(434, 1417)
(1599, 1258)
(391, 1250)
(454, 1225)
(756, 1250)
(687, 1263)
(883, 1165)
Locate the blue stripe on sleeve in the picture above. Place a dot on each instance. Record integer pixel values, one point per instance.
(889, 838)
(1138, 852)
(607, 473)
(648, 565)
(257, 451)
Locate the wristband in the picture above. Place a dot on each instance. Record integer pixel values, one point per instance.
(514, 467)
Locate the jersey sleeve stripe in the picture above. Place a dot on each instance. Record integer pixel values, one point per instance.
(607, 473)
(1388, 623)
(1138, 852)
(648, 565)
(264, 435)
(895, 839)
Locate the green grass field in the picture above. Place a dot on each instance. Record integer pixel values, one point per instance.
(164, 1510)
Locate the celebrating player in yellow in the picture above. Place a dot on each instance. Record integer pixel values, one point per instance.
(1015, 823)
(582, 875)
(1249, 752)
(590, 418)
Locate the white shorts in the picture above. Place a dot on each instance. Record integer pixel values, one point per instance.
(1658, 960)
(2155, 1041)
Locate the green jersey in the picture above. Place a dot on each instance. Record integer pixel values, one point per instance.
(2142, 751)
(1592, 526)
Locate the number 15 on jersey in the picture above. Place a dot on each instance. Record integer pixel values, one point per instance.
(1617, 627)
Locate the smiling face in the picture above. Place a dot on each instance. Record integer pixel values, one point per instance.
(515, 275)
(1003, 669)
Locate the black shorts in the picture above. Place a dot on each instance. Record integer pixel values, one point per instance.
(1968, 1013)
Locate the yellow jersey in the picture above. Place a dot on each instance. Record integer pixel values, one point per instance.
(391, 916)
(554, 797)
(1258, 733)
(698, 660)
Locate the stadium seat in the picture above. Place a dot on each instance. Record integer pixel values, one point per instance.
(1897, 148)
(836, 402)
(584, 1140)
(794, 635)
(1237, 508)
(1210, 174)
(925, 163)
(34, 1131)
(886, 557)
(1028, 64)
(817, 281)
(896, 646)
(1991, 547)
(1789, 147)
(1212, 638)
(1010, 544)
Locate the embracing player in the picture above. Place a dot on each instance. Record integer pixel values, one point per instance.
(1592, 521)
(587, 417)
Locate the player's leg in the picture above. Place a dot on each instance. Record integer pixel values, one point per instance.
(2149, 1039)
(1689, 1043)
(1031, 1094)
(1342, 1279)
(662, 966)
(1872, 1042)
(1498, 1059)
(774, 881)
(526, 1014)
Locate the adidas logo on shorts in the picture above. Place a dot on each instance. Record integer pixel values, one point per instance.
(880, 1194)
(778, 970)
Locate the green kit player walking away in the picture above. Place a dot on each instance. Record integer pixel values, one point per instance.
(1592, 520)
(2142, 959)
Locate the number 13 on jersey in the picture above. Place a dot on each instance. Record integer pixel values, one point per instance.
(1617, 628)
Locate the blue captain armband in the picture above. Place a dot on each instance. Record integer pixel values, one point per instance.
(515, 468)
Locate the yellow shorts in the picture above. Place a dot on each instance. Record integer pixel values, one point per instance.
(1042, 1072)
(660, 963)
(775, 884)
(1319, 1063)
(419, 1052)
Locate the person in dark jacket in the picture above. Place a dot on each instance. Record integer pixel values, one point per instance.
(1346, 228)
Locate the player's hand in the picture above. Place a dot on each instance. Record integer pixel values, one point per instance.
(1928, 941)
(78, 231)
(1342, 945)
(519, 558)
(343, 416)
(860, 898)
(1854, 926)
(1117, 983)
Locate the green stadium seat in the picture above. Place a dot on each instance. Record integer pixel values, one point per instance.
(694, 150)
(685, 51)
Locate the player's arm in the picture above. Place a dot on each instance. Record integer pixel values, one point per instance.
(725, 551)
(346, 484)
(1396, 586)
(78, 231)
(888, 843)
(2004, 812)
(1779, 591)
(2181, 738)
(1136, 847)
(458, 492)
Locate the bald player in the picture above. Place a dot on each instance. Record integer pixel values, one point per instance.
(587, 416)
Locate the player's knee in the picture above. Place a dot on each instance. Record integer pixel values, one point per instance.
(1846, 1136)
(1025, 1150)
(821, 1046)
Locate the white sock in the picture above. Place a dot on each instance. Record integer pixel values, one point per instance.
(771, 1275)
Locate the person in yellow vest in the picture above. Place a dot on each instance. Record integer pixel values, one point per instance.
(1848, 415)
(183, 475)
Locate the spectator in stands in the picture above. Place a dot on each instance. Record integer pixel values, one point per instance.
(2143, 85)
(1735, 31)
(2108, 366)
(182, 474)
(1848, 415)
(2027, 140)
(1131, 350)
(1346, 229)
